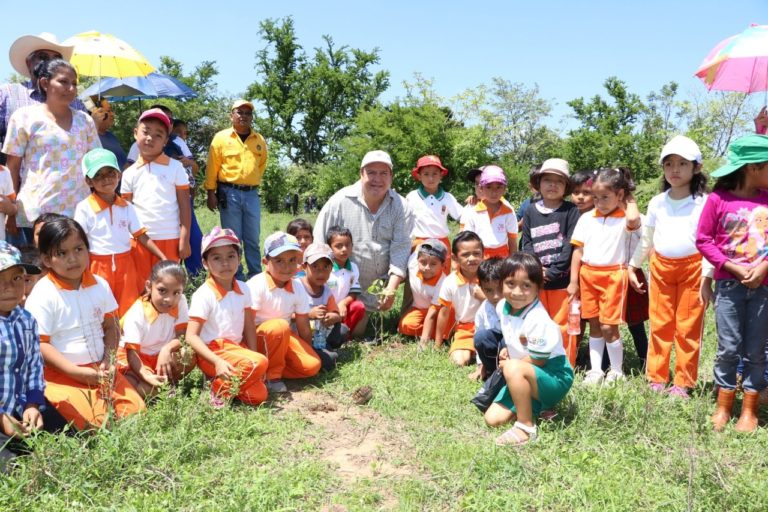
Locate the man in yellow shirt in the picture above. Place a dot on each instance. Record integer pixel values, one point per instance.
(236, 162)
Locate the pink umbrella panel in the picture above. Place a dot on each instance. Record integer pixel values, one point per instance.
(738, 63)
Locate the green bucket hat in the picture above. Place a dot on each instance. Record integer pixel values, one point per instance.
(750, 149)
(96, 159)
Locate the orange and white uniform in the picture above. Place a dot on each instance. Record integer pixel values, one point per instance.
(222, 316)
(147, 331)
(110, 229)
(676, 313)
(495, 230)
(458, 294)
(289, 356)
(71, 320)
(424, 294)
(151, 187)
(6, 194)
(430, 217)
(605, 242)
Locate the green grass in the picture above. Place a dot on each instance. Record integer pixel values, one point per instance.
(610, 448)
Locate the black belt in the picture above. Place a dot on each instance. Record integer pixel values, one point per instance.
(246, 188)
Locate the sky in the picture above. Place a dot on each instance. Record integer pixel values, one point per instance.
(567, 48)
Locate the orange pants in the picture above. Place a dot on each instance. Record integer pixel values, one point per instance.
(677, 317)
(250, 367)
(120, 273)
(150, 361)
(556, 304)
(289, 356)
(84, 405)
(412, 323)
(447, 263)
(145, 260)
(496, 252)
(603, 293)
(463, 337)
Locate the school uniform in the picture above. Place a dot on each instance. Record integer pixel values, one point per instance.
(71, 321)
(152, 186)
(605, 242)
(289, 356)
(146, 331)
(430, 217)
(488, 336)
(325, 339)
(546, 234)
(7, 193)
(424, 292)
(110, 230)
(531, 333)
(345, 279)
(458, 294)
(495, 230)
(222, 316)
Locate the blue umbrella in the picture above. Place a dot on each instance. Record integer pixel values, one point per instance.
(154, 85)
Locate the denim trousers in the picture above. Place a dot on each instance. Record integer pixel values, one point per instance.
(741, 315)
(243, 216)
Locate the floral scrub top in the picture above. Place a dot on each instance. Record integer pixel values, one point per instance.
(51, 178)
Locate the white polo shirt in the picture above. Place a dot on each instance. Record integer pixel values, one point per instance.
(529, 332)
(7, 193)
(152, 186)
(269, 301)
(674, 224)
(110, 228)
(424, 290)
(221, 312)
(431, 211)
(344, 280)
(71, 319)
(605, 240)
(486, 317)
(495, 231)
(457, 292)
(147, 331)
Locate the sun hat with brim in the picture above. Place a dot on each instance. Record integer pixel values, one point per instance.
(317, 251)
(218, 237)
(555, 166)
(427, 161)
(96, 159)
(750, 149)
(23, 46)
(493, 174)
(10, 257)
(682, 146)
(278, 242)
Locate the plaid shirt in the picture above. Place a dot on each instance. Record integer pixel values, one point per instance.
(21, 365)
(15, 96)
(381, 241)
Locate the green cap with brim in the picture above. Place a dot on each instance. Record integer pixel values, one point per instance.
(750, 149)
(96, 159)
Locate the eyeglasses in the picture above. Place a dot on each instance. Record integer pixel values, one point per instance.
(243, 113)
(44, 55)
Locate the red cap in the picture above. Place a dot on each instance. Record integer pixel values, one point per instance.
(426, 161)
(156, 113)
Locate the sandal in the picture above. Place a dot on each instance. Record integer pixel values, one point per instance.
(512, 437)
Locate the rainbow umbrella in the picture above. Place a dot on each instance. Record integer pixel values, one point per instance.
(97, 54)
(739, 63)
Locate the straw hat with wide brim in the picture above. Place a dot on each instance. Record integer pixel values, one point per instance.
(23, 46)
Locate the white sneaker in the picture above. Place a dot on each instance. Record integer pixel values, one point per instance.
(593, 378)
(276, 386)
(614, 376)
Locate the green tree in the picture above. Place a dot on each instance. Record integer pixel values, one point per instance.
(714, 119)
(311, 102)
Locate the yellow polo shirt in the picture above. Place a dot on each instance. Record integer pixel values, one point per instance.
(231, 160)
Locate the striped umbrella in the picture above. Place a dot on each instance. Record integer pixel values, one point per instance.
(739, 63)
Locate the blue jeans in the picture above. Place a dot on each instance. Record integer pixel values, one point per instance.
(741, 315)
(487, 344)
(194, 263)
(243, 216)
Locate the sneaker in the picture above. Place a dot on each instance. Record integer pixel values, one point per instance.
(679, 392)
(614, 376)
(277, 386)
(216, 401)
(658, 387)
(593, 377)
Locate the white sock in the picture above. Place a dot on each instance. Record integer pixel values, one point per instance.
(616, 355)
(596, 347)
